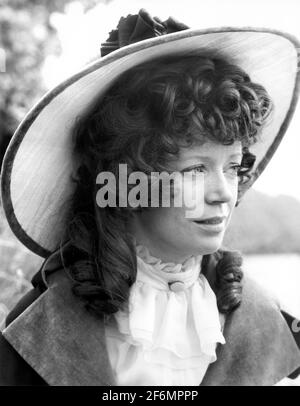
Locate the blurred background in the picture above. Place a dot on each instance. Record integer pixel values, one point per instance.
(43, 42)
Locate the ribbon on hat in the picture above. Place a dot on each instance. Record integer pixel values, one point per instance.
(138, 27)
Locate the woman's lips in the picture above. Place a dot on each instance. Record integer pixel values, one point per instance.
(211, 220)
(214, 224)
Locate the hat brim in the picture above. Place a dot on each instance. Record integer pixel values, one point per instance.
(37, 168)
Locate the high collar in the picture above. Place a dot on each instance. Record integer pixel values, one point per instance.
(66, 345)
(167, 267)
(160, 275)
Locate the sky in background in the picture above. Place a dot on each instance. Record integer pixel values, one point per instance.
(82, 33)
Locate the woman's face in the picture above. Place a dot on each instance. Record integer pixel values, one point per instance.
(168, 232)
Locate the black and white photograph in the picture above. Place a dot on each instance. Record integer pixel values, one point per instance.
(150, 195)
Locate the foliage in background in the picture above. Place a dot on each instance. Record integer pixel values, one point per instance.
(27, 37)
(17, 266)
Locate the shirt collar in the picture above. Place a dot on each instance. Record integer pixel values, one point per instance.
(171, 310)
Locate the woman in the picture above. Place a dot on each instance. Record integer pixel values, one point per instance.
(142, 293)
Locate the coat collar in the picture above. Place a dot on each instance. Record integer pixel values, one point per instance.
(66, 345)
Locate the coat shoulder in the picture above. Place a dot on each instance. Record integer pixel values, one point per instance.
(258, 299)
(14, 370)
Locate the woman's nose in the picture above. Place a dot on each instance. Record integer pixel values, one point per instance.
(217, 189)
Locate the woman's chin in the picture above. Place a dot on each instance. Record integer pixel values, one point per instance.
(210, 245)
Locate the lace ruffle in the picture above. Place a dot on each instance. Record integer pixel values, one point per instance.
(177, 329)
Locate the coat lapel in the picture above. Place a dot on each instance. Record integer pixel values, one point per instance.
(62, 341)
(260, 349)
(66, 345)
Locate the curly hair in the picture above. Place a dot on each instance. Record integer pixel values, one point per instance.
(143, 120)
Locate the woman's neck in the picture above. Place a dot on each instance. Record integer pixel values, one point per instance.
(164, 253)
(158, 248)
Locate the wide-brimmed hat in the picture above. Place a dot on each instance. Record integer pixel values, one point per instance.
(38, 165)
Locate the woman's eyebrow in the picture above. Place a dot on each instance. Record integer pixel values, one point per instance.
(237, 155)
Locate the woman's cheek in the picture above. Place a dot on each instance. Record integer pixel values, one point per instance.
(189, 194)
(233, 201)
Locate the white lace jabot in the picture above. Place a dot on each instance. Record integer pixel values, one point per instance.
(170, 333)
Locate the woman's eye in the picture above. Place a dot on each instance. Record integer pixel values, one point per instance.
(196, 169)
(236, 169)
(201, 169)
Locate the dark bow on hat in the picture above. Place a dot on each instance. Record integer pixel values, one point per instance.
(135, 28)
